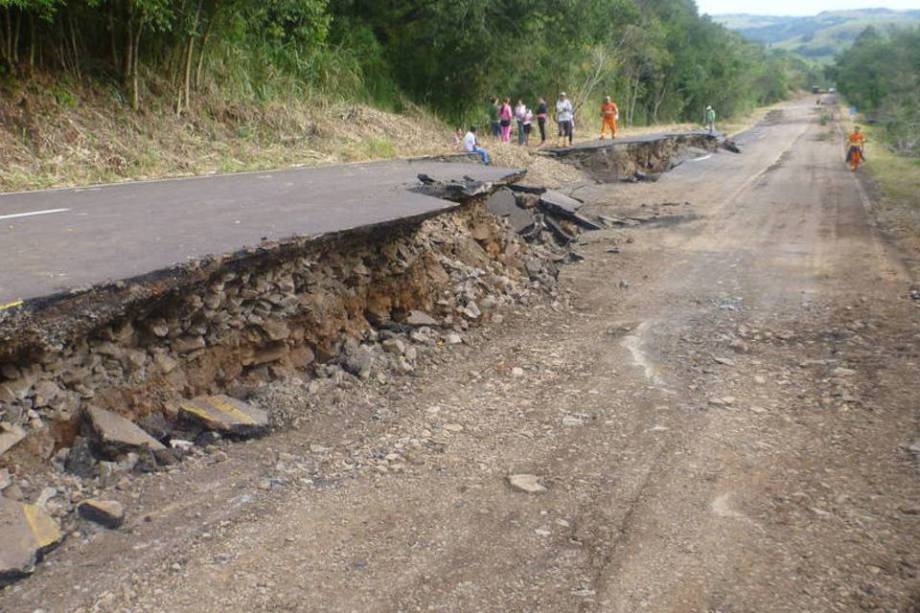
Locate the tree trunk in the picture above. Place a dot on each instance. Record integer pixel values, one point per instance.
(202, 48)
(135, 95)
(128, 59)
(32, 43)
(15, 44)
(113, 40)
(75, 46)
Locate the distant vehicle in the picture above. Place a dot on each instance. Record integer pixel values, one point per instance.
(815, 89)
(832, 90)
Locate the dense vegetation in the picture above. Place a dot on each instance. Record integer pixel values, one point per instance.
(660, 59)
(880, 75)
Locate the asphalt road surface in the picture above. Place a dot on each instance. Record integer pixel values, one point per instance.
(56, 240)
(720, 421)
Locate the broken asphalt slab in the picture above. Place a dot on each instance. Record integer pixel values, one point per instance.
(558, 204)
(225, 414)
(26, 533)
(504, 204)
(70, 240)
(116, 434)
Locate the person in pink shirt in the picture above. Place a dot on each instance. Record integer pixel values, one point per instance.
(505, 115)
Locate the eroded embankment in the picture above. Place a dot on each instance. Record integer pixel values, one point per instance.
(639, 158)
(138, 350)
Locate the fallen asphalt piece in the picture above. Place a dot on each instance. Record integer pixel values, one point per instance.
(66, 240)
(116, 434)
(225, 414)
(503, 204)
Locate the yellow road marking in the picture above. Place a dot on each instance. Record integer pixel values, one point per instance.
(221, 406)
(10, 305)
(42, 526)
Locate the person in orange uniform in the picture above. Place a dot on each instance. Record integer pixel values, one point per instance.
(609, 116)
(855, 140)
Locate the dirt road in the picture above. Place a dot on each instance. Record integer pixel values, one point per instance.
(721, 420)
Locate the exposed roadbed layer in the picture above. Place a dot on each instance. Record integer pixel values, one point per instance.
(84, 237)
(124, 245)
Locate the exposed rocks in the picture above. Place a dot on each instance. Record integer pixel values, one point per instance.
(529, 484)
(26, 532)
(420, 318)
(117, 434)
(107, 513)
(10, 435)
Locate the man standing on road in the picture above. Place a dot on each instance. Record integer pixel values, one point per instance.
(609, 115)
(855, 140)
(564, 116)
(471, 146)
(710, 119)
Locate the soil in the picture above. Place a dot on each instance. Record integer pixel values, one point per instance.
(721, 414)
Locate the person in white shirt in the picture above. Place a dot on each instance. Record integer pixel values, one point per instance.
(471, 146)
(565, 117)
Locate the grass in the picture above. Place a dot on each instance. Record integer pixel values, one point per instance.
(898, 180)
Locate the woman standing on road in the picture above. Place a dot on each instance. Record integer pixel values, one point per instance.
(520, 110)
(542, 113)
(504, 119)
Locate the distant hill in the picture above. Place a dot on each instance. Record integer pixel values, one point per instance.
(819, 37)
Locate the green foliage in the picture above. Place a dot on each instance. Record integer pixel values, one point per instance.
(880, 75)
(659, 59)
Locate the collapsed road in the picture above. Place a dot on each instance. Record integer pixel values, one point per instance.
(56, 241)
(712, 413)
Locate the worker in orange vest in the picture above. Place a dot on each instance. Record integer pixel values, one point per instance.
(855, 140)
(609, 115)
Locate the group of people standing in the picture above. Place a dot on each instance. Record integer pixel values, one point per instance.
(502, 116)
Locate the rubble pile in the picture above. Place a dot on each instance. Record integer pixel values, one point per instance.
(138, 392)
(549, 220)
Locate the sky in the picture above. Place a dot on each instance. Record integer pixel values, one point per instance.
(798, 7)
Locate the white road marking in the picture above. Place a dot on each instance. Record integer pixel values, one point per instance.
(45, 212)
(705, 157)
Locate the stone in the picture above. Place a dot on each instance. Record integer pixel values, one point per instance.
(571, 421)
(526, 483)
(116, 434)
(420, 318)
(272, 353)
(517, 371)
(80, 460)
(453, 339)
(45, 392)
(10, 436)
(27, 533)
(107, 513)
(471, 311)
(394, 346)
(187, 344)
(225, 414)
(275, 330)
